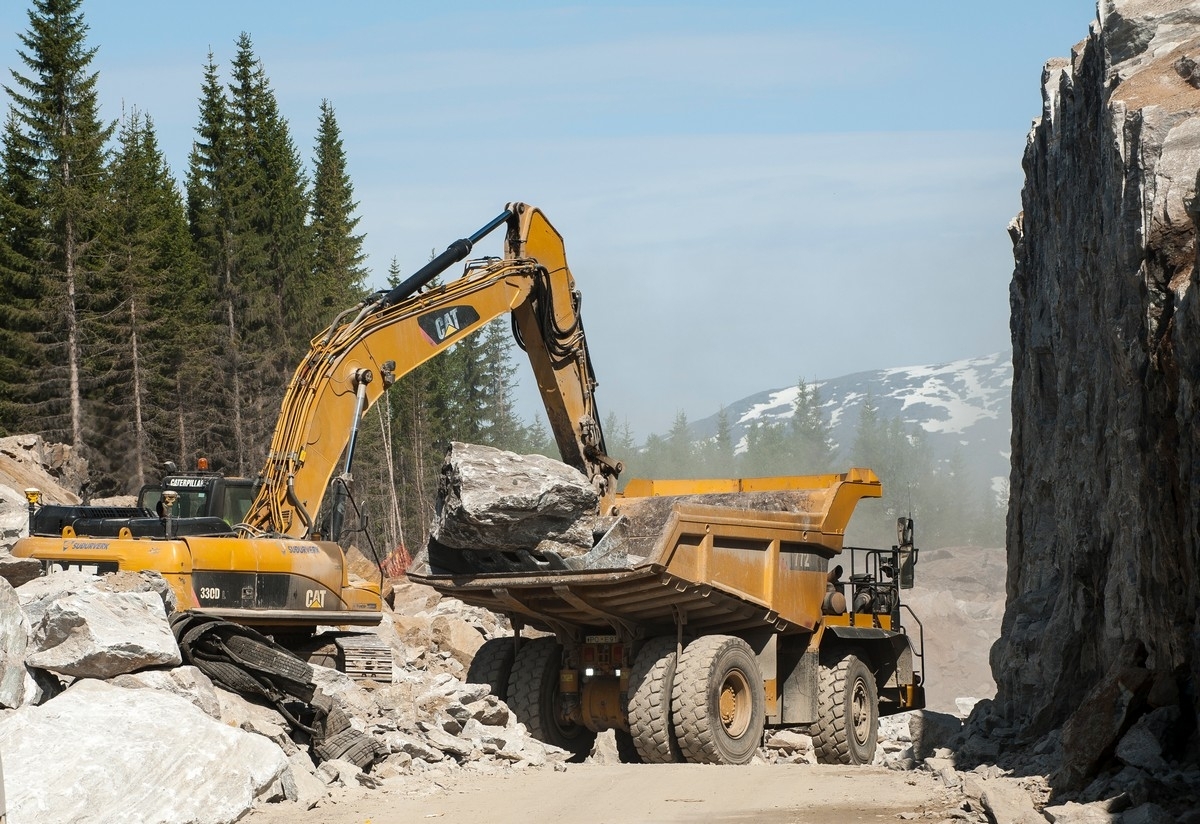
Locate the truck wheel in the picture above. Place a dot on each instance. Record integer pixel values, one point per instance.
(534, 698)
(492, 664)
(650, 683)
(848, 715)
(718, 704)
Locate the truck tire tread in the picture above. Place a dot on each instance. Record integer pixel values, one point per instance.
(532, 687)
(627, 750)
(492, 665)
(833, 733)
(650, 686)
(703, 670)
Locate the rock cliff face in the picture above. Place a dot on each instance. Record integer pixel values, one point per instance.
(1104, 518)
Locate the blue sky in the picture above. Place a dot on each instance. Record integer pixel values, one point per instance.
(749, 194)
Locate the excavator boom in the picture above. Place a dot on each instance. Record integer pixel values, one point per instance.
(353, 362)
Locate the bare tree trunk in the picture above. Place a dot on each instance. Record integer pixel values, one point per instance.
(181, 419)
(395, 531)
(238, 435)
(139, 426)
(73, 356)
(424, 500)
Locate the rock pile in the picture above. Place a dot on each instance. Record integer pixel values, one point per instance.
(993, 775)
(91, 686)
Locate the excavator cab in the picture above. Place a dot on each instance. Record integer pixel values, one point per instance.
(201, 495)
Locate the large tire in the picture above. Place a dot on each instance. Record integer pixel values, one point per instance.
(651, 681)
(534, 698)
(718, 704)
(492, 665)
(847, 726)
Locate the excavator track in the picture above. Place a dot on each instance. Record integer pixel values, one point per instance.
(364, 656)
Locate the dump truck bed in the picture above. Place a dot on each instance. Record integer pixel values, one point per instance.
(689, 550)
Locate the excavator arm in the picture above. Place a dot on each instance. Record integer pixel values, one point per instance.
(362, 353)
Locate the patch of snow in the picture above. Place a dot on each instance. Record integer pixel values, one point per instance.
(785, 398)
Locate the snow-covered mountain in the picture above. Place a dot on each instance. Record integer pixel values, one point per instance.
(961, 406)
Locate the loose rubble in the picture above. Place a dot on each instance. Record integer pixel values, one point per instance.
(429, 723)
(88, 666)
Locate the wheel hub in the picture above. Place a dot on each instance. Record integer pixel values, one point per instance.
(734, 702)
(860, 712)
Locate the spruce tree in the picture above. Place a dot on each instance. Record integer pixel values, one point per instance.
(21, 312)
(272, 250)
(717, 453)
(159, 359)
(502, 426)
(539, 440)
(247, 208)
(460, 394)
(338, 270)
(679, 452)
(811, 440)
(868, 447)
(900, 455)
(282, 218)
(618, 437)
(767, 451)
(56, 107)
(218, 231)
(653, 461)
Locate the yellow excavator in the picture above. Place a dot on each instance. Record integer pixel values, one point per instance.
(273, 570)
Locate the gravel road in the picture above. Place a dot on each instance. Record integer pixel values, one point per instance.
(593, 794)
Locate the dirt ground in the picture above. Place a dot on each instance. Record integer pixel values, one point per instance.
(594, 794)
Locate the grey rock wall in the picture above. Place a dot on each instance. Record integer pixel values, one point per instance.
(1103, 534)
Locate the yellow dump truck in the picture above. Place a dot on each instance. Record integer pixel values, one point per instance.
(708, 611)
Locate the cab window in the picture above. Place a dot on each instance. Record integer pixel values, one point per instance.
(237, 503)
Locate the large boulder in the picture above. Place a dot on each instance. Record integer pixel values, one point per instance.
(14, 517)
(19, 571)
(17, 687)
(456, 637)
(96, 634)
(37, 595)
(188, 683)
(99, 753)
(491, 499)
